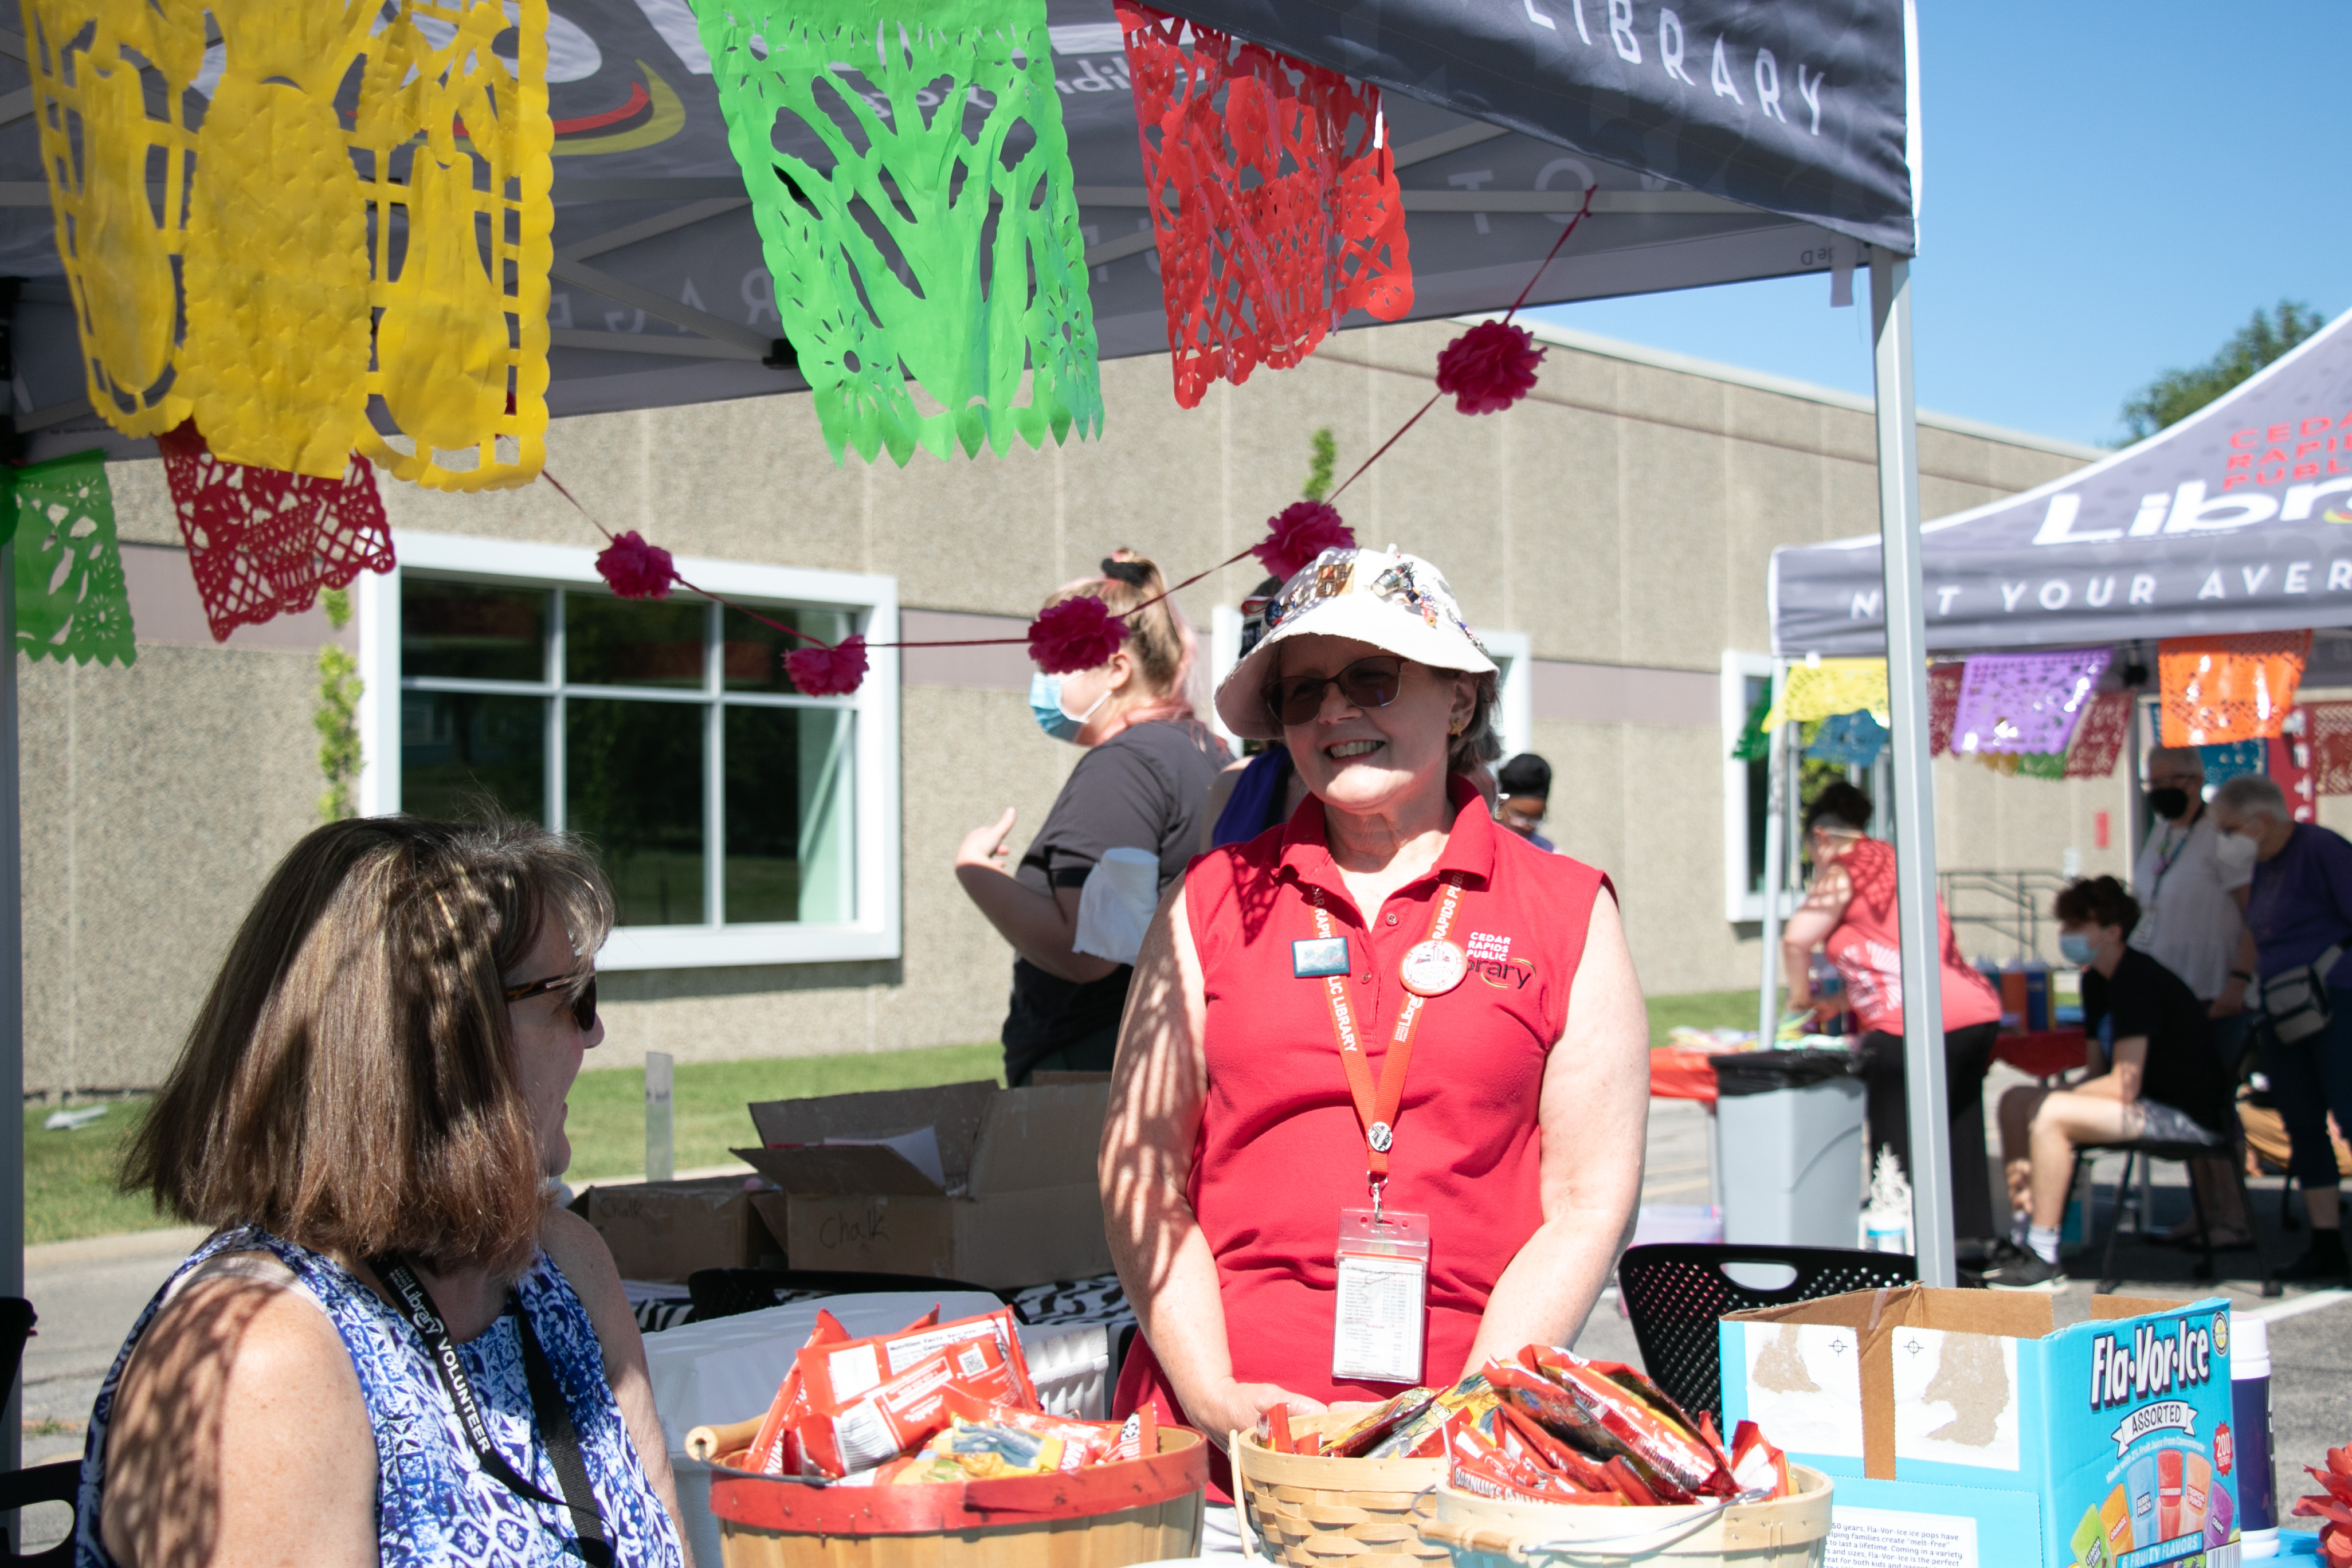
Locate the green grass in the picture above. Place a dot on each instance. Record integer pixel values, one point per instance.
(708, 1119)
(1701, 1010)
(69, 1176)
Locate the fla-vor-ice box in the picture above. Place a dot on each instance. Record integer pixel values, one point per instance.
(992, 1186)
(1964, 1431)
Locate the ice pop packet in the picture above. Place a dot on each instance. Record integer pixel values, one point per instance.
(1757, 1464)
(1557, 1410)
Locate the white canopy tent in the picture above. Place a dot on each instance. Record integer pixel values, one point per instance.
(1725, 141)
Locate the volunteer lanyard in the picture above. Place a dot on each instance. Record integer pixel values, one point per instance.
(547, 1402)
(1376, 1108)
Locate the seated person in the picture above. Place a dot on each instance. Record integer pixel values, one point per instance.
(2149, 1071)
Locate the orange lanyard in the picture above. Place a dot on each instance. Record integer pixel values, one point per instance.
(1376, 1110)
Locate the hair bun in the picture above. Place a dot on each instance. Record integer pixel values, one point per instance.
(1134, 574)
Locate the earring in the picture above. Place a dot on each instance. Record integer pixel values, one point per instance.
(1456, 730)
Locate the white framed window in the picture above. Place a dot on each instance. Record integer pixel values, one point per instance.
(741, 821)
(1746, 788)
(1511, 651)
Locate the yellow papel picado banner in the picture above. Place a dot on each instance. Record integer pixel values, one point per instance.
(357, 194)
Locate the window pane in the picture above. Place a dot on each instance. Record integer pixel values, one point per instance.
(788, 816)
(467, 631)
(457, 748)
(754, 653)
(623, 642)
(633, 787)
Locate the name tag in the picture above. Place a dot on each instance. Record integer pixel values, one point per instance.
(1318, 956)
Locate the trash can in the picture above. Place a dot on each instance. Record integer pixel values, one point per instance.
(1788, 1146)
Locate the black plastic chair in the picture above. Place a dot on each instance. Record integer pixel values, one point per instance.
(730, 1293)
(1675, 1292)
(57, 1482)
(2230, 1153)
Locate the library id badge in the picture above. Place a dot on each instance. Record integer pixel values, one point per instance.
(1382, 1314)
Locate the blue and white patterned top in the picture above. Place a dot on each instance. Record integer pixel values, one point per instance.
(434, 1504)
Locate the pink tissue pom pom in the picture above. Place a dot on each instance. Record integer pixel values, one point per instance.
(1489, 367)
(1077, 634)
(1298, 534)
(635, 569)
(822, 672)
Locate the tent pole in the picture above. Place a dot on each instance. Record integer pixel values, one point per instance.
(1776, 836)
(12, 996)
(1914, 834)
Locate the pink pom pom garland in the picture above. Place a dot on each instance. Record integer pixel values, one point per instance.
(1077, 634)
(1489, 367)
(823, 671)
(1486, 369)
(635, 569)
(1301, 532)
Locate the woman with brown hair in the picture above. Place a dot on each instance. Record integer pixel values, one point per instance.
(1142, 784)
(392, 1349)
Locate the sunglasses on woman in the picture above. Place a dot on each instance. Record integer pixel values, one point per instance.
(1369, 682)
(584, 1004)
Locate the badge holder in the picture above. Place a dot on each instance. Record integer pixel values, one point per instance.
(1381, 1315)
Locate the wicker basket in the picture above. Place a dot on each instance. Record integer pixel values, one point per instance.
(1106, 1516)
(1311, 1512)
(1482, 1532)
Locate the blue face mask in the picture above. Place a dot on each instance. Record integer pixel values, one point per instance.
(1045, 707)
(2077, 948)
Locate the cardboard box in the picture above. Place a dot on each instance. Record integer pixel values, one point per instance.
(1013, 1202)
(1966, 1431)
(667, 1230)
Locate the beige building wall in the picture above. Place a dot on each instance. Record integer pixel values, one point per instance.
(1622, 518)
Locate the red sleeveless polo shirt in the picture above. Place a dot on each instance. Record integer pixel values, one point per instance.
(1280, 1151)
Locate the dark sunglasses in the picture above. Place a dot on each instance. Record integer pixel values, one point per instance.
(1367, 683)
(584, 1004)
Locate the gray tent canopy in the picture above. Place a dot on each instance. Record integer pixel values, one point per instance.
(2238, 519)
(1726, 141)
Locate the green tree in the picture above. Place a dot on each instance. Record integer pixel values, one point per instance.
(1325, 451)
(337, 717)
(2177, 394)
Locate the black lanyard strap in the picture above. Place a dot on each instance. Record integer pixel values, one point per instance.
(550, 1409)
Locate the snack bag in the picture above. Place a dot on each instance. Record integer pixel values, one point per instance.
(1755, 1463)
(1517, 1433)
(776, 1450)
(1673, 1460)
(1274, 1429)
(985, 1451)
(1423, 1437)
(1507, 1472)
(1083, 1442)
(1356, 1441)
(836, 1374)
(1554, 1409)
(882, 1423)
(1139, 1437)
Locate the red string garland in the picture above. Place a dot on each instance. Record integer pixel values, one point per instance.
(1286, 214)
(262, 543)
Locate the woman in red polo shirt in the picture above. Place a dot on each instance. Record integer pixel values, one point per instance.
(1388, 996)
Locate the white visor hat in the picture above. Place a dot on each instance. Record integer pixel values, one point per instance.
(1399, 604)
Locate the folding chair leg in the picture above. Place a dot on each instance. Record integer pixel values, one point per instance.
(2254, 1232)
(2204, 1226)
(2114, 1223)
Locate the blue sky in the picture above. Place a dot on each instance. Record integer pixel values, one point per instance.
(2109, 192)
